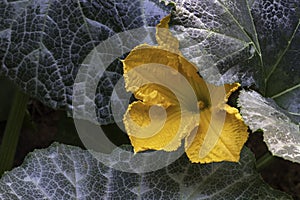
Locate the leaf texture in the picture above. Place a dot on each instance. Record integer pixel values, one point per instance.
(66, 172)
(43, 43)
(280, 133)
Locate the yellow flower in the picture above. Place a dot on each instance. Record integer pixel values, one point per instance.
(212, 132)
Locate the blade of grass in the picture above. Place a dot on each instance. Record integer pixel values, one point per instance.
(12, 131)
(264, 161)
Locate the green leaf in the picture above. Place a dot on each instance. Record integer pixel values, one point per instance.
(250, 41)
(66, 172)
(43, 43)
(280, 133)
(215, 35)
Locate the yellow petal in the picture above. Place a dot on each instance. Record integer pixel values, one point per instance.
(200, 87)
(167, 54)
(144, 77)
(230, 88)
(217, 139)
(219, 94)
(152, 127)
(170, 43)
(165, 38)
(152, 59)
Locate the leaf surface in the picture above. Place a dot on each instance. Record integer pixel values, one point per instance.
(43, 43)
(66, 172)
(280, 133)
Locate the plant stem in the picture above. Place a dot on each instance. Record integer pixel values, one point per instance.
(12, 131)
(264, 161)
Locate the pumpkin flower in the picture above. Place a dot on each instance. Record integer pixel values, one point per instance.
(212, 130)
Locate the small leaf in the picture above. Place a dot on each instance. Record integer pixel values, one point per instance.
(280, 133)
(66, 172)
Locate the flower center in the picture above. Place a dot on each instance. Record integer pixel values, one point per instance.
(201, 105)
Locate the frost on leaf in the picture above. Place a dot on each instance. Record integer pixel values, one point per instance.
(44, 42)
(281, 135)
(67, 172)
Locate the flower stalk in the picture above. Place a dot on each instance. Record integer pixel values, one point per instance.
(12, 131)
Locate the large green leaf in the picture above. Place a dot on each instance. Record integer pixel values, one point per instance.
(66, 172)
(43, 43)
(253, 42)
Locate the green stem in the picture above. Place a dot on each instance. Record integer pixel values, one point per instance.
(12, 131)
(264, 161)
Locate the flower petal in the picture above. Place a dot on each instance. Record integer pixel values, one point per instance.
(219, 94)
(164, 37)
(167, 54)
(157, 128)
(153, 58)
(217, 139)
(230, 88)
(146, 82)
